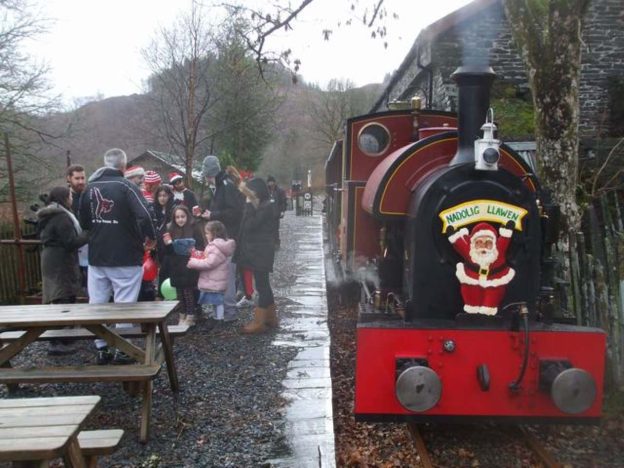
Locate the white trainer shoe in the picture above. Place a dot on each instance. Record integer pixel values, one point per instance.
(244, 302)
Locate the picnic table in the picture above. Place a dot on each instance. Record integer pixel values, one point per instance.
(34, 431)
(47, 322)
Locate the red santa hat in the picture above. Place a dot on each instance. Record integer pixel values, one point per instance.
(152, 177)
(134, 171)
(173, 176)
(483, 230)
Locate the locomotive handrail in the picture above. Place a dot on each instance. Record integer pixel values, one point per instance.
(524, 313)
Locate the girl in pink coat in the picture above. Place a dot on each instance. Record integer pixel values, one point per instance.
(213, 265)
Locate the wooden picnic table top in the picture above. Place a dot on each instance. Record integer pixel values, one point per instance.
(40, 428)
(48, 315)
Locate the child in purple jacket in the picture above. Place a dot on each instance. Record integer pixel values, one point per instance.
(213, 265)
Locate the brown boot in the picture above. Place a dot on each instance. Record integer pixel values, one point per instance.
(270, 318)
(258, 324)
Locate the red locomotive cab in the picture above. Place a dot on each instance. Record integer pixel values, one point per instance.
(431, 131)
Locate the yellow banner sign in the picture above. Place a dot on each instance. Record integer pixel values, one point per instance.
(482, 210)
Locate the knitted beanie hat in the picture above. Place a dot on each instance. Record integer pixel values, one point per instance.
(211, 166)
(152, 177)
(134, 171)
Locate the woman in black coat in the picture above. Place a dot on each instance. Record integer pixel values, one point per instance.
(256, 250)
(61, 237)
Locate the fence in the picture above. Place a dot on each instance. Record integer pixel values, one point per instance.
(596, 286)
(9, 267)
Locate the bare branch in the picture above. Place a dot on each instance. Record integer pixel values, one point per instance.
(603, 166)
(375, 13)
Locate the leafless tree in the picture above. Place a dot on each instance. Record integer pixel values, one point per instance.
(180, 59)
(24, 95)
(270, 18)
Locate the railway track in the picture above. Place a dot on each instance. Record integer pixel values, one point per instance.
(540, 451)
(537, 448)
(421, 447)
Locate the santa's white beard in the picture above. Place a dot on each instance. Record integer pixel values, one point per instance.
(483, 257)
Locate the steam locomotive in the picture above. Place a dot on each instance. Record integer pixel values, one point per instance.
(447, 235)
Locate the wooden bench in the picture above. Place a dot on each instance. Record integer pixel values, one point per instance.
(84, 334)
(94, 444)
(124, 373)
(24, 324)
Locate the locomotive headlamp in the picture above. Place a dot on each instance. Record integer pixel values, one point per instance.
(487, 152)
(491, 156)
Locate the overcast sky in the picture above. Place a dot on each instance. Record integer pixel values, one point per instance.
(93, 46)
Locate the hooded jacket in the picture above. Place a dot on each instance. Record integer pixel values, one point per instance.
(59, 257)
(214, 267)
(118, 219)
(256, 246)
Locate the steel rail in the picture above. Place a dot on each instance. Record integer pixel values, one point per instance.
(539, 449)
(421, 448)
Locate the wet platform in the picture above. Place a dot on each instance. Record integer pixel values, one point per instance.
(307, 388)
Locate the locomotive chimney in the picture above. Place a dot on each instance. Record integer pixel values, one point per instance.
(473, 83)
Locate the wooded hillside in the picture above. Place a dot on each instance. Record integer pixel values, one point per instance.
(127, 122)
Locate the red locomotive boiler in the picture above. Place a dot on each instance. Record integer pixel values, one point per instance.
(448, 236)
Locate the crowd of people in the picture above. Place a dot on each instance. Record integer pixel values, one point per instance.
(127, 236)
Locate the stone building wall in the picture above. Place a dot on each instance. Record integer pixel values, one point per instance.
(602, 59)
(485, 38)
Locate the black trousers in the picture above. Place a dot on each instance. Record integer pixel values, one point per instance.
(263, 286)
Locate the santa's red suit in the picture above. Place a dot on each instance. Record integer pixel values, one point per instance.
(482, 286)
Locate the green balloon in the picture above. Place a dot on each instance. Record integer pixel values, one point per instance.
(168, 291)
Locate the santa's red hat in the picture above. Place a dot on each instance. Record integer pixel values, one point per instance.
(173, 176)
(483, 230)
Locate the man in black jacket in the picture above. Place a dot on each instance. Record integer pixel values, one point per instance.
(226, 206)
(76, 179)
(120, 228)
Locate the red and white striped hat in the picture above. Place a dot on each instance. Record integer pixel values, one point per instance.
(152, 177)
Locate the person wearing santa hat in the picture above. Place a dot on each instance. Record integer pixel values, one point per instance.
(136, 175)
(152, 181)
(484, 275)
(181, 194)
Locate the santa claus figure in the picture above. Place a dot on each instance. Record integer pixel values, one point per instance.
(484, 275)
